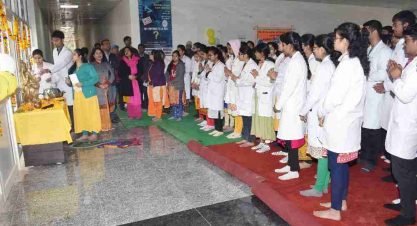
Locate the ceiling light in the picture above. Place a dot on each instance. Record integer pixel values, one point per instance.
(69, 6)
(65, 28)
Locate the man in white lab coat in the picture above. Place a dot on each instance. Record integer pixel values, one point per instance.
(400, 22)
(62, 62)
(188, 71)
(401, 140)
(372, 135)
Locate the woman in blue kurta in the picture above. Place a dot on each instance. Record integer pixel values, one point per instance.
(86, 107)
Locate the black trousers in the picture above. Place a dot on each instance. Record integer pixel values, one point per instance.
(71, 113)
(120, 97)
(371, 145)
(218, 123)
(405, 172)
(247, 126)
(292, 157)
(144, 93)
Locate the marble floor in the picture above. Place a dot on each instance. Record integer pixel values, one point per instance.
(147, 183)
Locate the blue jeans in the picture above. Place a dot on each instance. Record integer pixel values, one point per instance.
(339, 174)
(178, 109)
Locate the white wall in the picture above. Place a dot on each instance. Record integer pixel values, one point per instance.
(233, 19)
(121, 21)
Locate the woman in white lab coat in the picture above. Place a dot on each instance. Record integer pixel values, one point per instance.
(245, 93)
(293, 96)
(262, 120)
(324, 53)
(208, 124)
(281, 64)
(195, 82)
(342, 114)
(231, 89)
(47, 80)
(216, 84)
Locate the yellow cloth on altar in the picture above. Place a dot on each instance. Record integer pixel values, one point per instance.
(44, 126)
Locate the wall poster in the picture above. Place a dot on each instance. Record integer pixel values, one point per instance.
(270, 34)
(156, 24)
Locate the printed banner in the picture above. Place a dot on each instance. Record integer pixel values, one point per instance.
(269, 34)
(156, 24)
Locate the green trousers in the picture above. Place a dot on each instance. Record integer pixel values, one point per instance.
(323, 175)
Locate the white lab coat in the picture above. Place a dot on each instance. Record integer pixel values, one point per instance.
(292, 99)
(402, 128)
(62, 64)
(245, 93)
(187, 76)
(281, 64)
(343, 107)
(43, 84)
(320, 84)
(204, 86)
(398, 55)
(231, 89)
(195, 77)
(264, 90)
(216, 81)
(378, 57)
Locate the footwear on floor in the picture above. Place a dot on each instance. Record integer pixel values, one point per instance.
(203, 123)
(305, 165)
(156, 119)
(387, 161)
(400, 221)
(284, 169)
(257, 146)
(171, 118)
(234, 136)
(284, 160)
(263, 149)
(213, 132)
(178, 119)
(217, 134)
(388, 179)
(392, 206)
(311, 193)
(93, 137)
(290, 175)
(280, 153)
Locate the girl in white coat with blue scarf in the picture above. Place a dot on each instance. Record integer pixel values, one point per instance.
(291, 101)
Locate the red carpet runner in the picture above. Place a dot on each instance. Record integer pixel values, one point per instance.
(367, 192)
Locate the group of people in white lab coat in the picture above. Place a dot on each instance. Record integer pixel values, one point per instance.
(346, 91)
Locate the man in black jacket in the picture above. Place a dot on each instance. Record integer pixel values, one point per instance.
(143, 74)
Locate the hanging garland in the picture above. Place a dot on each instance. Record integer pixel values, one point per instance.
(4, 28)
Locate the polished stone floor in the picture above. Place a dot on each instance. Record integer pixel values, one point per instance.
(113, 186)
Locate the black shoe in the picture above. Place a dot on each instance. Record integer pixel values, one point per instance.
(400, 221)
(388, 179)
(367, 167)
(392, 206)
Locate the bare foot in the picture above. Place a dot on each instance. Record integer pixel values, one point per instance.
(82, 138)
(93, 138)
(241, 142)
(330, 214)
(329, 205)
(246, 145)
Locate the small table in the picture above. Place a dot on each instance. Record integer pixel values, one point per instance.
(41, 133)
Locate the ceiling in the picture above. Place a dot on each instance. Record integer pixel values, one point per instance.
(399, 4)
(89, 11)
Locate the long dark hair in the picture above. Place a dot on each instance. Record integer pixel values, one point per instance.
(80, 53)
(326, 41)
(358, 44)
(218, 52)
(92, 59)
(172, 62)
(263, 49)
(244, 49)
